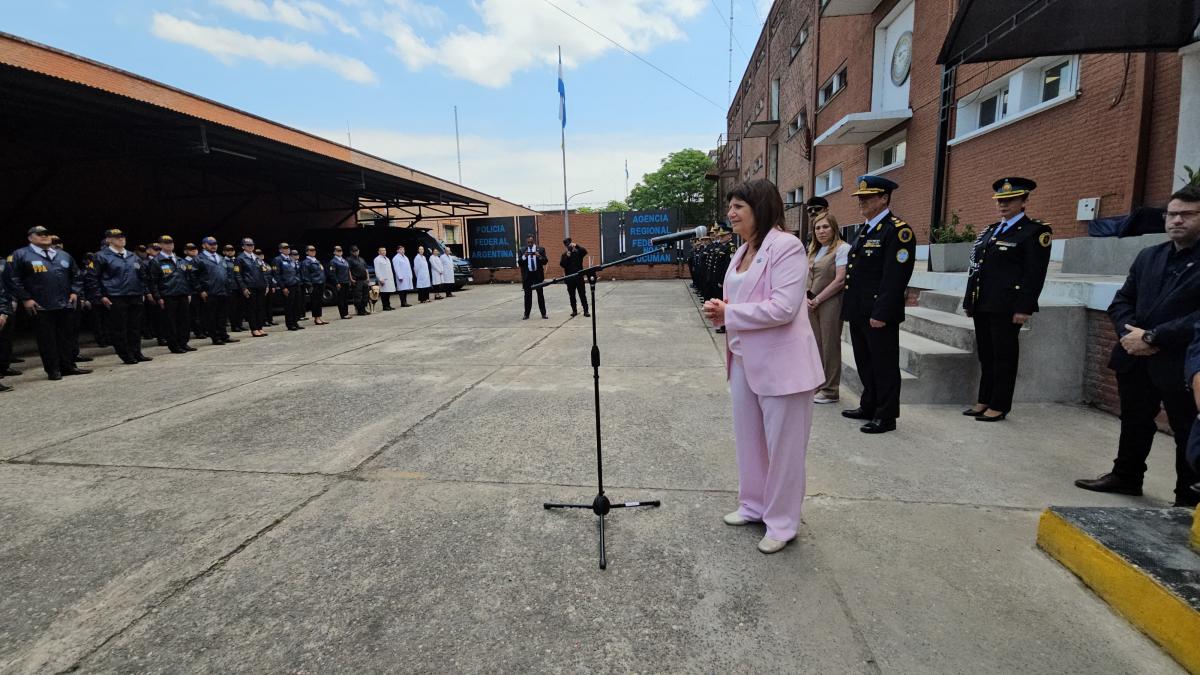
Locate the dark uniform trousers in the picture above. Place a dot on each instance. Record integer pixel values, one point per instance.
(876, 355)
(575, 287)
(343, 294)
(213, 311)
(293, 306)
(176, 320)
(315, 297)
(53, 330)
(125, 325)
(6, 342)
(1140, 400)
(255, 307)
(998, 344)
(237, 311)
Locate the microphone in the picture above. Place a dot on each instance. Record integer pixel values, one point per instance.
(680, 236)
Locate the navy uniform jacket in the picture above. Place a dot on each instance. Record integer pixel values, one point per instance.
(287, 273)
(1161, 293)
(358, 268)
(118, 277)
(252, 272)
(1008, 271)
(1193, 354)
(232, 281)
(50, 283)
(339, 270)
(5, 296)
(170, 278)
(212, 276)
(877, 274)
(312, 272)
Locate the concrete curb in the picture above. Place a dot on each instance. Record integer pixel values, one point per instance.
(1148, 605)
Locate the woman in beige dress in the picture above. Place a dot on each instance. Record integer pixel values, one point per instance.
(827, 256)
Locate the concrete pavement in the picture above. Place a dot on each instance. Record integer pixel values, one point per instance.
(366, 497)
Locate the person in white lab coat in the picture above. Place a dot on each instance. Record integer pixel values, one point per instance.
(447, 273)
(385, 277)
(404, 275)
(421, 274)
(435, 273)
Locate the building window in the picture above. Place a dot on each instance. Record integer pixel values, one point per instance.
(1038, 85)
(798, 41)
(798, 123)
(830, 181)
(831, 87)
(774, 100)
(888, 154)
(450, 233)
(773, 164)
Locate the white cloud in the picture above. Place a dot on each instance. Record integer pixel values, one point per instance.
(521, 34)
(307, 15)
(524, 170)
(230, 45)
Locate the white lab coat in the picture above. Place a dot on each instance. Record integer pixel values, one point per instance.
(404, 272)
(435, 270)
(384, 274)
(421, 271)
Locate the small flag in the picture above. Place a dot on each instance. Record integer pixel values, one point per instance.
(562, 93)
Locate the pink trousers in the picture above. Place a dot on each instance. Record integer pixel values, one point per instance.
(771, 433)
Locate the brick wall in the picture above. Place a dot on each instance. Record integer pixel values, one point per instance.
(1099, 382)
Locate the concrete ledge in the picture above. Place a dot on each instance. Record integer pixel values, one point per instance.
(1137, 560)
(1105, 255)
(1090, 290)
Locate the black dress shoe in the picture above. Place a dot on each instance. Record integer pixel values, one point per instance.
(971, 412)
(189, 348)
(857, 414)
(142, 357)
(1110, 482)
(175, 350)
(10, 372)
(878, 426)
(76, 371)
(229, 340)
(82, 359)
(525, 318)
(218, 342)
(574, 313)
(720, 330)
(586, 314)
(299, 327)
(17, 359)
(4, 387)
(991, 418)
(545, 317)
(53, 376)
(129, 359)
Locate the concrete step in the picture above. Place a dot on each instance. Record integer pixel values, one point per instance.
(942, 301)
(929, 372)
(944, 327)
(921, 356)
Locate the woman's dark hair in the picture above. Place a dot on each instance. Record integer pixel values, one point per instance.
(764, 200)
(1188, 193)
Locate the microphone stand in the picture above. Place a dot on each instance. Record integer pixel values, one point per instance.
(600, 504)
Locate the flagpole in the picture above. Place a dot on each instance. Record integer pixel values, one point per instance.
(563, 117)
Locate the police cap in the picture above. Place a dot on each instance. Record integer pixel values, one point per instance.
(1007, 188)
(874, 185)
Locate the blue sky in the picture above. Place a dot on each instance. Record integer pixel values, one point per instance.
(392, 70)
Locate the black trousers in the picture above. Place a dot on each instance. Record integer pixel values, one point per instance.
(125, 325)
(149, 322)
(316, 296)
(212, 313)
(877, 357)
(422, 294)
(449, 289)
(1141, 400)
(359, 295)
(403, 298)
(342, 293)
(237, 309)
(255, 308)
(527, 285)
(575, 287)
(6, 343)
(997, 343)
(386, 298)
(293, 306)
(176, 321)
(196, 311)
(1193, 451)
(53, 330)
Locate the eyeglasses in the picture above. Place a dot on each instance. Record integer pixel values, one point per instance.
(1180, 214)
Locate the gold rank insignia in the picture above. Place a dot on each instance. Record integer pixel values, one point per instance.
(237, 268)
(9, 258)
(862, 185)
(1044, 239)
(905, 235)
(1007, 187)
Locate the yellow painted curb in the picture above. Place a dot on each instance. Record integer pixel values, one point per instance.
(1154, 610)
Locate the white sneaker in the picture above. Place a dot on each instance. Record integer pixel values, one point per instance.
(769, 545)
(822, 398)
(735, 519)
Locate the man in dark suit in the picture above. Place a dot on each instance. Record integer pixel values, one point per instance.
(532, 260)
(1154, 314)
(572, 262)
(881, 263)
(1008, 270)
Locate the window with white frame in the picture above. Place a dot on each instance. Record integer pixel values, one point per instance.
(798, 42)
(798, 123)
(773, 163)
(450, 233)
(774, 99)
(831, 87)
(888, 154)
(830, 181)
(797, 195)
(1038, 85)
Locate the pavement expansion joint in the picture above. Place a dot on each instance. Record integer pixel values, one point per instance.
(827, 497)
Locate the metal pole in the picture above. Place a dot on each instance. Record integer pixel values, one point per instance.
(729, 85)
(563, 127)
(457, 147)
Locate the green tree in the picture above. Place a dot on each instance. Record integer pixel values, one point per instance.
(679, 182)
(585, 209)
(615, 205)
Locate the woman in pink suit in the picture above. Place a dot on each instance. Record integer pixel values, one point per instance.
(771, 360)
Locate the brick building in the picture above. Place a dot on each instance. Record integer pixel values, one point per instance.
(839, 88)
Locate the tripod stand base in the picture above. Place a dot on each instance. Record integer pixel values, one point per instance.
(601, 506)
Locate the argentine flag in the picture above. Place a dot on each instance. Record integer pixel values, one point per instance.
(562, 93)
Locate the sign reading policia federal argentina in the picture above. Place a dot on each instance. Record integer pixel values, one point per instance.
(626, 233)
(493, 242)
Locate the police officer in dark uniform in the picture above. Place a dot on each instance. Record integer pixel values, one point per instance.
(213, 285)
(287, 280)
(47, 283)
(78, 306)
(196, 306)
(359, 281)
(571, 262)
(877, 274)
(1008, 270)
(6, 309)
(312, 279)
(237, 302)
(339, 274)
(253, 281)
(170, 279)
(122, 285)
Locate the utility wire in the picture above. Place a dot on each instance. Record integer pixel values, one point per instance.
(634, 55)
(725, 23)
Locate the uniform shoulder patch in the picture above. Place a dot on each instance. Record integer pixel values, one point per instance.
(237, 268)
(1044, 239)
(9, 258)
(902, 256)
(905, 235)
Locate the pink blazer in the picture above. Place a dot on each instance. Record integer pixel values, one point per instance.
(779, 351)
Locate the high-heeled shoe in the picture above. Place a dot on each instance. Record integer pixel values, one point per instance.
(991, 418)
(971, 412)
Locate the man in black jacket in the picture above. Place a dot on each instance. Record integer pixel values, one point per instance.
(572, 262)
(47, 283)
(360, 281)
(532, 260)
(1154, 314)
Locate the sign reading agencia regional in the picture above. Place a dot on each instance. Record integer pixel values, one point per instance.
(626, 233)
